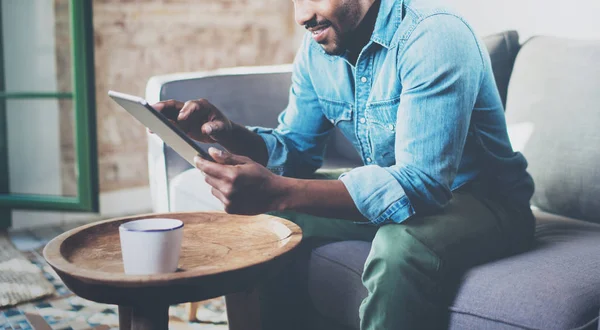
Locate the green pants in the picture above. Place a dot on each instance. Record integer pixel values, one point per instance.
(413, 269)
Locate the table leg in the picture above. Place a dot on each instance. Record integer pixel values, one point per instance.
(150, 317)
(243, 310)
(124, 318)
(191, 309)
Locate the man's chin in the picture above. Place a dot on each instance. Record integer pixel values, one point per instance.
(332, 50)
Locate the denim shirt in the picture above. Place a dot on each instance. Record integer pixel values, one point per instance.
(420, 106)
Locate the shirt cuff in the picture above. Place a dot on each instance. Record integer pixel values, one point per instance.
(276, 149)
(377, 194)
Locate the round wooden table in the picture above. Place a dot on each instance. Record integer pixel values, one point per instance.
(221, 254)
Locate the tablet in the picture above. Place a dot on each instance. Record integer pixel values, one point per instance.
(161, 126)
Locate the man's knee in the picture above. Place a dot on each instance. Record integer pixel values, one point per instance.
(401, 274)
(288, 215)
(396, 255)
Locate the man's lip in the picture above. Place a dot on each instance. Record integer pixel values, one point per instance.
(318, 28)
(320, 34)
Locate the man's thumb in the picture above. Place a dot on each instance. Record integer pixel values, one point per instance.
(226, 158)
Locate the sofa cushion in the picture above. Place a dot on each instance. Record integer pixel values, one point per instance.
(555, 285)
(553, 96)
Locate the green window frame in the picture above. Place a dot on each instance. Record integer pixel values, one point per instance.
(84, 100)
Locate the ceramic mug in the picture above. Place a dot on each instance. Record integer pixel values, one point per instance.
(151, 246)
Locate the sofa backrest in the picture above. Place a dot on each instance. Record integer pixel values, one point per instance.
(503, 49)
(250, 96)
(553, 112)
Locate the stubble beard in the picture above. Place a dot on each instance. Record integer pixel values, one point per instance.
(351, 12)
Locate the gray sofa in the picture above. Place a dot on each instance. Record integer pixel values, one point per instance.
(552, 98)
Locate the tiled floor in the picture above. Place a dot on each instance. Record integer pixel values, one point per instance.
(27, 240)
(66, 311)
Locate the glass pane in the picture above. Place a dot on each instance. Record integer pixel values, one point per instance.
(37, 45)
(41, 147)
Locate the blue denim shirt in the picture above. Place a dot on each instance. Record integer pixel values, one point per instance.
(421, 107)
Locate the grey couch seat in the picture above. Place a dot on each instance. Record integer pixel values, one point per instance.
(557, 281)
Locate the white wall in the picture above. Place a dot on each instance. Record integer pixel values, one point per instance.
(578, 19)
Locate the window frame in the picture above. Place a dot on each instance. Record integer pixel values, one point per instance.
(84, 101)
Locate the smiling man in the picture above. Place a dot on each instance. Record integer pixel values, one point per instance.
(441, 189)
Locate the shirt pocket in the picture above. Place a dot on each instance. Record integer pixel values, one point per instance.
(381, 123)
(338, 113)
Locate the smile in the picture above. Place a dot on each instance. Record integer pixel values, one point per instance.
(319, 34)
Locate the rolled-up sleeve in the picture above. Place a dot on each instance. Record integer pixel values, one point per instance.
(440, 66)
(296, 147)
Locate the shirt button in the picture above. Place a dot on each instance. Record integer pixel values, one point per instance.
(369, 160)
(363, 120)
(391, 127)
(332, 121)
(363, 79)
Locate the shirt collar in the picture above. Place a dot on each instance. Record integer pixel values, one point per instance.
(387, 22)
(388, 19)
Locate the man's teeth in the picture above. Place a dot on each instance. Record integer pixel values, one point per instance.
(318, 31)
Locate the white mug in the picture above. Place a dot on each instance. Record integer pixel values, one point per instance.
(151, 246)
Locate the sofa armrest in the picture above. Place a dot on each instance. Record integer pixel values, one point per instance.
(157, 173)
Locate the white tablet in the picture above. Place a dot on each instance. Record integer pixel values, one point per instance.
(161, 126)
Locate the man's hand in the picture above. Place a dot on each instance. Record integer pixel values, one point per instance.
(242, 185)
(199, 119)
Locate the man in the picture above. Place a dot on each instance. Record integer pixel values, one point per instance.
(411, 86)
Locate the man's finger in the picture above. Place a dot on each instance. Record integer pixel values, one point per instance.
(169, 109)
(192, 115)
(174, 122)
(216, 183)
(226, 158)
(214, 129)
(216, 170)
(219, 195)
(158, 106)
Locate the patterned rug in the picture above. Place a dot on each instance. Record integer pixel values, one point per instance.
(65, 311)
(20, 281)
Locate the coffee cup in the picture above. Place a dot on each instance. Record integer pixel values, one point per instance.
(151, 246)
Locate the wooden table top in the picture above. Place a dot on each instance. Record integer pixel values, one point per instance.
(213, 244)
